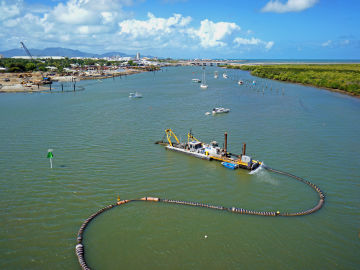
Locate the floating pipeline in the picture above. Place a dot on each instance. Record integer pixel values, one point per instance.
(80, 249)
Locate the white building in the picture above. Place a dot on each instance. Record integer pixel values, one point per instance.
(138, 56)
(39, 57)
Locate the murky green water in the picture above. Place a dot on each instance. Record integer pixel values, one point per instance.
(104, 147)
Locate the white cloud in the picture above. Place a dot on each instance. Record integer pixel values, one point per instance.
(244, 41)
(87, 11)
(326, 43)
(342, 43)
(269, 45)
(253, 42)
(100, 25)
(290, 6)
(153, 26)
(8, 10)
(155, 32)
(213, 34)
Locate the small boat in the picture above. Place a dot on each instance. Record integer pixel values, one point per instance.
(135, 95)
(240, 82)
(225, 76)
(220, 110)
(203, 85)
(196, 80)
(216, 75)
(230, 165)
(253, 83)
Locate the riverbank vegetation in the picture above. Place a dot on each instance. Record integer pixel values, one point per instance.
(345, 77)
(27, 65)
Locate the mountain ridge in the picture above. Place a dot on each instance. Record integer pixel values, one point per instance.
(59, 51)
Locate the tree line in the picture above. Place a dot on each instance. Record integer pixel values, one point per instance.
(27, 65)
(345, 77)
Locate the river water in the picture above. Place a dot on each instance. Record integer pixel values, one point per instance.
(104, 148)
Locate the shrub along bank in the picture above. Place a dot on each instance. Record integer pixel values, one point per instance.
(344, 77)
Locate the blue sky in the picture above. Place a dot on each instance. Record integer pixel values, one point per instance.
(264, 29)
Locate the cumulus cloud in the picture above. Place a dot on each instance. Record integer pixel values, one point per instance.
(153, 26)
(213, 34)
(88, 12)
(290, 6)
(100, 25)
(155, 32)
(9, 9)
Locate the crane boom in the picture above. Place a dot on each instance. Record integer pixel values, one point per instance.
(169, 134)
(26, 50)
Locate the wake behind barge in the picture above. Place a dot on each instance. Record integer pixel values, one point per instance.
(211, 151)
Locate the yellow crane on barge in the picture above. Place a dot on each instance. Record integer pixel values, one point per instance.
(210, 151)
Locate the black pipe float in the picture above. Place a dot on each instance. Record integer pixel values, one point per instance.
(80, 249)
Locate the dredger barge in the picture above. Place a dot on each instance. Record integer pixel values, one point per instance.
(210, 151)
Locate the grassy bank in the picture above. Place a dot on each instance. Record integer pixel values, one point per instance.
(345, 77)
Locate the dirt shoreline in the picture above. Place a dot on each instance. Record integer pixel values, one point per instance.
(15, 82)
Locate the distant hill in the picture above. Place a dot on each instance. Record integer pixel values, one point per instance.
(58, 51)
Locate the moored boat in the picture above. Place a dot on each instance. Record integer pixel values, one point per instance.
(220, 110)
(135, 95)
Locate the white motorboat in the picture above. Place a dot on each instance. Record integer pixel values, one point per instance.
(216, 75)
(240, 82)
(225, 76)
(196, 80)
(220, 110)
(135, 95)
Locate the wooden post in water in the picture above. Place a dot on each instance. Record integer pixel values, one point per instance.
(225, 148)
(62, 88)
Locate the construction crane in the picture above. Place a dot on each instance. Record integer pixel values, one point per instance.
(26, 50)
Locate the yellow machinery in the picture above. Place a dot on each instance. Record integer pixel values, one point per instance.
(169, 134)
(191, 137)
(219, 154)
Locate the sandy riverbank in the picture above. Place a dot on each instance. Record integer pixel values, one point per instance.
(27, 82)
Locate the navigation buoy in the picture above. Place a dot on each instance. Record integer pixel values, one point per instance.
(50, 156)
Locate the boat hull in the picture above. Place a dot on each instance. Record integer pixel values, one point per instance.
(188, 152)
